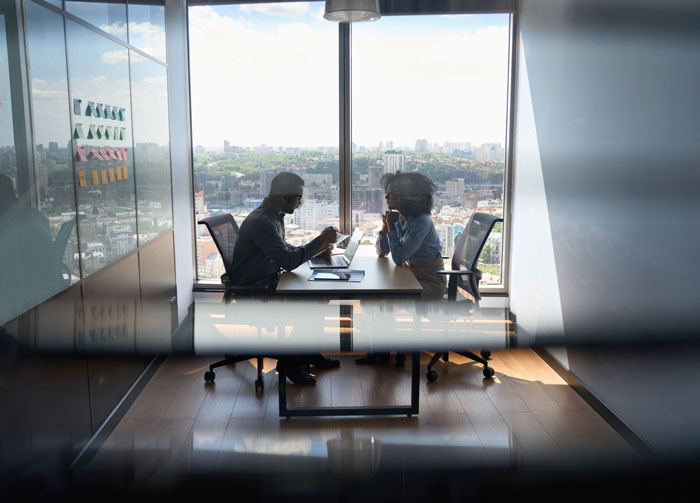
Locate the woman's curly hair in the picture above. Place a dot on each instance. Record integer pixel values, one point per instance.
(414, 191)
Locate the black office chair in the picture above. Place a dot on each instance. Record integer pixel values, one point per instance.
(224, 231)
(59, 248)
(465, 275)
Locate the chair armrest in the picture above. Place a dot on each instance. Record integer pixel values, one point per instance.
(460, 272)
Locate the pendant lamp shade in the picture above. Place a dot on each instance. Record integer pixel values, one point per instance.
(352, 11)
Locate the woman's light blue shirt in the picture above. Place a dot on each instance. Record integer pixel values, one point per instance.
(415, 241)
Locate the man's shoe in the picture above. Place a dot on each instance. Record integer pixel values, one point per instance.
(298, 376)
(370, 358)
(321, 362)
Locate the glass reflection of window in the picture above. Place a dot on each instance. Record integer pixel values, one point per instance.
(52, 134)
(147, 28)
(149, 87)
(430, 95)
(264, 81)
(99, 78)
(107, 15)
(38, 246)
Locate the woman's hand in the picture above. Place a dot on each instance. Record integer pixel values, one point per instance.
(391, 218)
(385, 225)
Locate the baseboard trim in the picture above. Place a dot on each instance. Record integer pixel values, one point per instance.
(608, 416)
(95, 442)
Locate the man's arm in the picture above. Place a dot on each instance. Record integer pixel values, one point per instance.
(268, 237)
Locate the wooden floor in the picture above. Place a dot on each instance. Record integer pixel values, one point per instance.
(524, 412)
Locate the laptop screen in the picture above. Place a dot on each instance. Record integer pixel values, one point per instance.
(354, 243)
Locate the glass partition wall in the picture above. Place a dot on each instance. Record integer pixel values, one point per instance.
(84, 141)
(429, 94)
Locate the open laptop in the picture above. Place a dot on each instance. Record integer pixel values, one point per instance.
(340, 261)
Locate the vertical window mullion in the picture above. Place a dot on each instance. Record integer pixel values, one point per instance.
(345, 118)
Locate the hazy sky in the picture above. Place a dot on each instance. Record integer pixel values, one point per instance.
(268, 74)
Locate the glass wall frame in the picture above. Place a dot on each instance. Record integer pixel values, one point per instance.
(422, 7)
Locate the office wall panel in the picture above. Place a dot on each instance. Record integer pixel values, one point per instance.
(158, 294)
(616, 129)
(111, 303)
(111, 300)
(45, 408)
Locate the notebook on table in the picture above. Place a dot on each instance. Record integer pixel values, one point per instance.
(340, 261)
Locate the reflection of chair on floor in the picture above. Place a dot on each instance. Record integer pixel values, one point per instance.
(224, 231)
(464, 275)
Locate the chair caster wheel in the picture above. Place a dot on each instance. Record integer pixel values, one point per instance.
(259, 386)
(485, 354)
(400, 359)
(209, 376)
(489, 372)
(431, 375)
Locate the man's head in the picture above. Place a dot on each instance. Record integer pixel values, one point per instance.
(286, 191)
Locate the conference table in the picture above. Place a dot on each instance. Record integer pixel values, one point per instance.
(381, 313)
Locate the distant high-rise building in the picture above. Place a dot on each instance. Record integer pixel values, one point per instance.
(374, 174)
(421, 145)
(389, 145)
(266, 177)
(454, 188)
(200, 150)
(199, 202)
(53, 146)
(381, 146)
(311, 216)
(227, 146)
(394, 161)
(368, 200)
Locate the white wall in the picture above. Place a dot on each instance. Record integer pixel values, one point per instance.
(606, 218)
(180, 151)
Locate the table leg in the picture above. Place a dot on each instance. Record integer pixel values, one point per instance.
(283, 386)
(415, 383)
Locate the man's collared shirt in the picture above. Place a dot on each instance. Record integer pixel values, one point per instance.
(261, 250)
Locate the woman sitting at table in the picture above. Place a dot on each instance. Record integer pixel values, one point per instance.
(409, 234)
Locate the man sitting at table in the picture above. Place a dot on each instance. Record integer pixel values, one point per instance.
(261, 252)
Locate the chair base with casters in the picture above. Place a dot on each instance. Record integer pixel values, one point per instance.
(224, 231)
(466, 276)
(488, 372)
(210, 375)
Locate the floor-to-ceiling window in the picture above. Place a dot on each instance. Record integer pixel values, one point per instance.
(264, 90)
(429, 94)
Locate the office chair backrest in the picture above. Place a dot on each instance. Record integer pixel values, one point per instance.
(59, 249)
(468, 249)
(224, 230)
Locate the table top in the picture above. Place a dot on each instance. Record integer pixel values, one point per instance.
(382, 276)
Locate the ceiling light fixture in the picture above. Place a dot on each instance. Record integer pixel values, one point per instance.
(352, 11)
